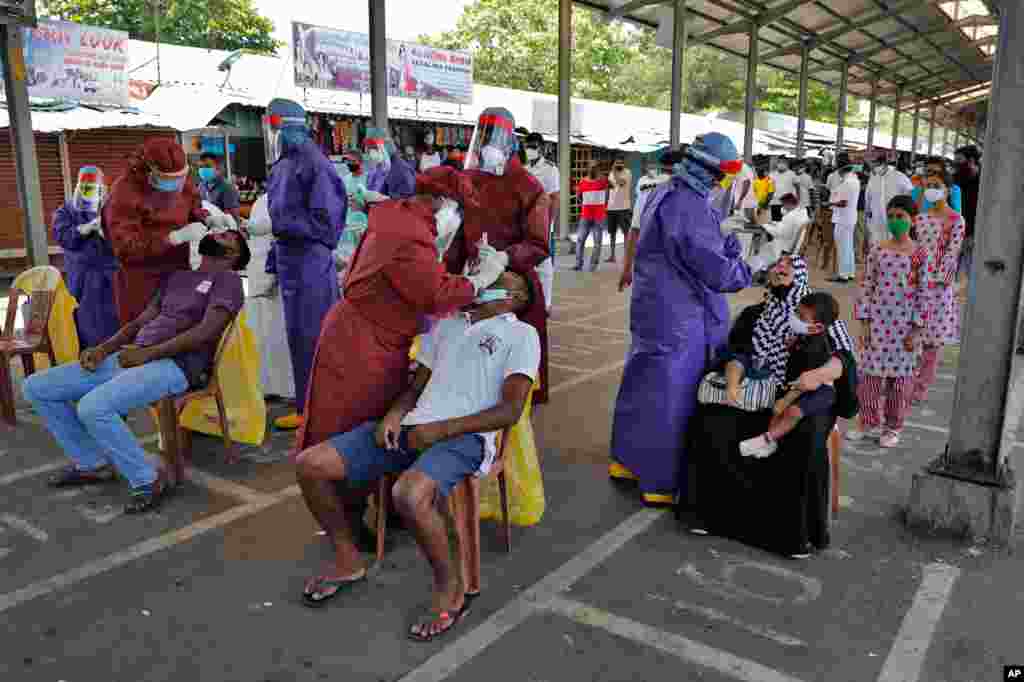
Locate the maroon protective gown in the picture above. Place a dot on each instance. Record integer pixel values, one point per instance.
(137, 220)
(514, 211)
(362, 357)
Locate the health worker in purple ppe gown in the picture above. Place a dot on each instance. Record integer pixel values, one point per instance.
(388, 175)
(307, 203)
(89, 262)
(679, 317)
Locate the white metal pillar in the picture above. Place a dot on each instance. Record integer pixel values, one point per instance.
(872, 114)
(378, 64)
(844, 83)
(988, 402)
(801, 117)
(679, 32)
(945, 140)
(564, 113)
(956, 139)
(931, 132)
(751, 100)
(917, 126)
(30, 195)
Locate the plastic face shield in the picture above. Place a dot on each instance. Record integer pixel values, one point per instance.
(492, 146)
(375, 153)
(90, 191)
(272, 126)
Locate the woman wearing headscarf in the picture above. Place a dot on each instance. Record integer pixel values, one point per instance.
(89, 262)
(153, 214)
(780, 502)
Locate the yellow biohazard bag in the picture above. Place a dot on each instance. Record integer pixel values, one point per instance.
(239, 375)
(63, 334)
(522, 472)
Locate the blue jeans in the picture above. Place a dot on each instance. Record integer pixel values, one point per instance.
(94, 434)
(585, 229)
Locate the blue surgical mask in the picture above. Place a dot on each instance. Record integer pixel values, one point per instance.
(167, 185)
(491, 295)
(207, 174)
(798, 326)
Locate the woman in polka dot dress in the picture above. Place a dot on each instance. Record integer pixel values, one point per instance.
(893, 309)
(941, 231)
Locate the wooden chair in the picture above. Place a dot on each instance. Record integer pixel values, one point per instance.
(177, 442)
(39, 284)
(463, 503)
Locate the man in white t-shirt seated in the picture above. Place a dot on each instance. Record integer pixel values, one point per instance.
(786, 232)
(474, 375)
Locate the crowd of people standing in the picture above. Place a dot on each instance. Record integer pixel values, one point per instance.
(458, 251)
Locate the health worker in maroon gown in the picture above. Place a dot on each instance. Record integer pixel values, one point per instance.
(513, 211)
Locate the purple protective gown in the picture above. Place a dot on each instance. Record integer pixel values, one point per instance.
(398, 182)
(89, 267)
(307, 204)
(679, 317)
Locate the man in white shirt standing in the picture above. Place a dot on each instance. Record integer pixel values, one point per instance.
(546, 174)
(844, 216)
(654, 175)
(885, 183)
(743, 192)
(474, 376)
(804, 184)
(620, 202)
(784, 180)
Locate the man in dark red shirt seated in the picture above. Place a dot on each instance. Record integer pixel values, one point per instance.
(167, 350)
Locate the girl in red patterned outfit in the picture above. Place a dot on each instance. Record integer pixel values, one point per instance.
(941, 231)
(892, 308)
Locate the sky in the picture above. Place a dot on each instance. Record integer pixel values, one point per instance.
(406, 19)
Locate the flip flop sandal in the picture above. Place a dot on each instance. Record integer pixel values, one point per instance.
(322, 589)
(447, 619)
(72, 476)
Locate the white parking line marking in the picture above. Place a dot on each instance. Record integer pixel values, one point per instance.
(719, 617)
(576, 350)
(593, 328)
(681, 647)
(18, 523)
(139, 550)
(8, 479)
(102, 516)
(943, 430)
(461, 651)
(906, 658)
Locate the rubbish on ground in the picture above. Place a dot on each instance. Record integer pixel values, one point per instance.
(146, 612)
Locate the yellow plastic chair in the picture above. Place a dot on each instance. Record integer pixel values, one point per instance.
(42, 286)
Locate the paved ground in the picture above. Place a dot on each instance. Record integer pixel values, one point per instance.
(601, 589)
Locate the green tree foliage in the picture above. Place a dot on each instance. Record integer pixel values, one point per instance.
(213, 24)
(515, 45)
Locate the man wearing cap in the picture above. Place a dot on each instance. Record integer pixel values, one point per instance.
(679, 317)
(513, 210)
(308, 205)
(547, 175)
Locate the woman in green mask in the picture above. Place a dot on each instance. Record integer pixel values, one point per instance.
(892, 308)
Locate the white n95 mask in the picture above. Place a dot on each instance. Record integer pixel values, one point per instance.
(492, 160)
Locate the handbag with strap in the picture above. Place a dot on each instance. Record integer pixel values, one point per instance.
(755, 394)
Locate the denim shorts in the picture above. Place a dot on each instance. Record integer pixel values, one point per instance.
(817, 403)
(446, 462)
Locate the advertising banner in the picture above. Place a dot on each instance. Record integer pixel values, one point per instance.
(78, 63)
(332, 59)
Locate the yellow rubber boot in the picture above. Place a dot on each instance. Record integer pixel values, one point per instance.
(658, 500)
(289, 422)
(619, 472)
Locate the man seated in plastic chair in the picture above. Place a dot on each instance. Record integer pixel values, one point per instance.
(474, 376)
(167, 350)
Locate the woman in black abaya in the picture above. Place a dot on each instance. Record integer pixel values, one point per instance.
(779, 503)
